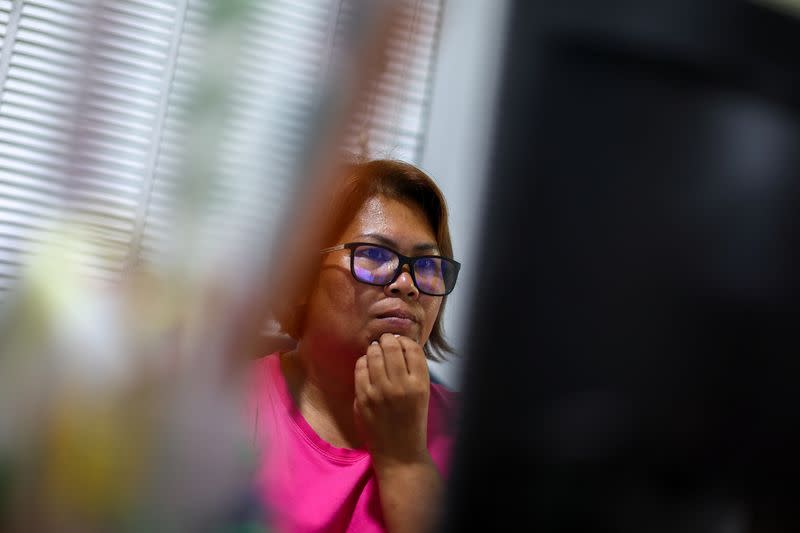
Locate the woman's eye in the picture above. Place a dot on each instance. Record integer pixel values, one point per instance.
(375, 254)
(427, 265)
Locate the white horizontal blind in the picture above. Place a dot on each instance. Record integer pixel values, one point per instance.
(160, 199)
(5, 16)
(78, 123)
(241, 158)
(99, 118)
(394, 120)
(39, 91)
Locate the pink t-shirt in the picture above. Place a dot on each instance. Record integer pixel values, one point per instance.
(308, 485)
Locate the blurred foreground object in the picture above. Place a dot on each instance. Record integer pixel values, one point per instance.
(165, 172)
(633, 360)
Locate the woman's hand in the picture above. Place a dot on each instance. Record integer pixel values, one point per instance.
(391, 409)
(391, 404)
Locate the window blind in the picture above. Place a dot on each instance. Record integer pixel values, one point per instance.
(79, 116)
(103, 121)
(393, 121)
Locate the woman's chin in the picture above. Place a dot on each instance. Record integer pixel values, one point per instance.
(377, 333)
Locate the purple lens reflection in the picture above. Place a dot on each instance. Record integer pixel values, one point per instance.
(374, 264)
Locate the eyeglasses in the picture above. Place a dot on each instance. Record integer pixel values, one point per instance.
(378, 265)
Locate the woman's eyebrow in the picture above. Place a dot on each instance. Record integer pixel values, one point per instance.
(391, 243)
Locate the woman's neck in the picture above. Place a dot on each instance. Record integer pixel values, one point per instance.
(322, 387)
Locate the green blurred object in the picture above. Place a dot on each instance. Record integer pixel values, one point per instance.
(122, 398)
(229, 11)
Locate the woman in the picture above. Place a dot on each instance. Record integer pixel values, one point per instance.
(356, 437)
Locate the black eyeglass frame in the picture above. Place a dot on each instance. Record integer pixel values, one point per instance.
(403, 260)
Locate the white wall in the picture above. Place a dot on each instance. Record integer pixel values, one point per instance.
(462, 105)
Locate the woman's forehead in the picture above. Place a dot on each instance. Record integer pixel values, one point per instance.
(401, 221)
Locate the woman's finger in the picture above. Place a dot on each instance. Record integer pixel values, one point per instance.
(376, 365)
(414, 357)
(393, 357)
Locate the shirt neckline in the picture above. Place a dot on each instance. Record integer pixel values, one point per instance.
(335, 453)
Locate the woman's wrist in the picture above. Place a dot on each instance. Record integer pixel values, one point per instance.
(390, 466)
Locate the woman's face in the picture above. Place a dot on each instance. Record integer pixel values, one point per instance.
(346, 314)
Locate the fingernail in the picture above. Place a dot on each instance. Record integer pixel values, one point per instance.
(396, 335)
(374, 342)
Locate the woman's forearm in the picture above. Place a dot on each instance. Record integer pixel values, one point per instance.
(410, 495)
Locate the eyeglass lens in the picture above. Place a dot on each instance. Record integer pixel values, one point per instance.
(378, 265)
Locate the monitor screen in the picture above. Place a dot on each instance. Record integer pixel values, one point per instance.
(633, 347)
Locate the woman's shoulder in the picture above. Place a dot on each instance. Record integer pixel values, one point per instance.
(261, 376)
(443, 407)
(442, 422)
(263, 367)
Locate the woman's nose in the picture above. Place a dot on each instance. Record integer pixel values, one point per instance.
(403, 286)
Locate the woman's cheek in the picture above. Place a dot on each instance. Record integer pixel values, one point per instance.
(431, 313)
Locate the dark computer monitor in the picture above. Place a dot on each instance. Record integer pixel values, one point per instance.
(633, 356)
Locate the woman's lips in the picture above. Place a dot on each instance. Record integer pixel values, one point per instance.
(398, 314)
(397, 322)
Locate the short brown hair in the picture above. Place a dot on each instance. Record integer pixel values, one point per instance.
(397, 180)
